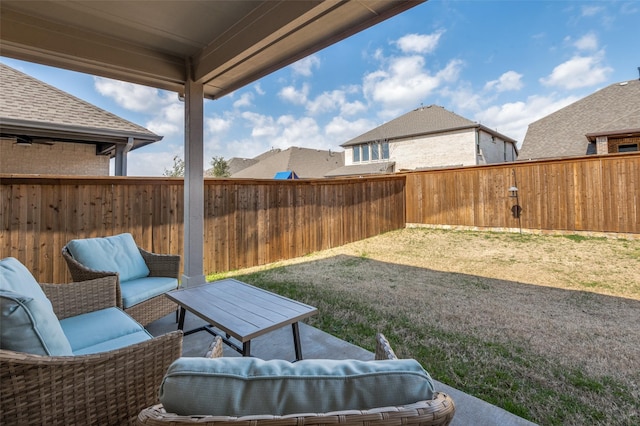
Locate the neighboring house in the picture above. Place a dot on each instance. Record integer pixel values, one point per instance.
(304, 162)
(427, 137)
(44, 130)
(606, 121)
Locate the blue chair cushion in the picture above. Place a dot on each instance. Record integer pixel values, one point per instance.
(251, 386)
(28, 324)
(141, 289)
(102, 331)
(117, 253)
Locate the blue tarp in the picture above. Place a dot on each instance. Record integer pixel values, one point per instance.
(286, 175)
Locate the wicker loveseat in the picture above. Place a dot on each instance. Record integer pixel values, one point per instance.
(140, 294)
(438, 410)
(101, 387)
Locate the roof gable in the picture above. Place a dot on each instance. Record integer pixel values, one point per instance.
(26, 102)
(305, 162)
(420, 121)
(611, 110)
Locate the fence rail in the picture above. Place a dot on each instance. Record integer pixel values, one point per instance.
(253, 222)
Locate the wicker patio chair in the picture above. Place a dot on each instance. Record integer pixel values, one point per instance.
(160, 265)
(437, 411)
(108, 388)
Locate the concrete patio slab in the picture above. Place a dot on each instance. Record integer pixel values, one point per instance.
(316, 343)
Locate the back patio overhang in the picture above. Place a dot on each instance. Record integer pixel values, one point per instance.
(199, 49)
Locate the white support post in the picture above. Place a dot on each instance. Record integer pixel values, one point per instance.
(194, 185)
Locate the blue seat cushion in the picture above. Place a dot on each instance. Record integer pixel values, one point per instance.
(251, 386)
(141, 289)
(102, 331)
(117, 253)
(29, 325)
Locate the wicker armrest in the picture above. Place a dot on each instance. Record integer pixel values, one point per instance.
(436, 411)
(383, 348)
(215, 349)
(161, 265)
(77, 298)
(105, 388)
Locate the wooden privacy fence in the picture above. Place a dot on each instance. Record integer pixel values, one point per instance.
(594, 193)
(247, 222)
(253, 222)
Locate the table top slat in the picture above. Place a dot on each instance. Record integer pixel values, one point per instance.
(240, 309)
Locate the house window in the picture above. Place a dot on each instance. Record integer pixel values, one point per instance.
(375, 151)
(356, 154)
(365, 152)
(385, 150)
(630, 147)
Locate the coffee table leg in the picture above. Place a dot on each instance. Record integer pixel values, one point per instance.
(181, 319)
(296, 341)
(246, 348)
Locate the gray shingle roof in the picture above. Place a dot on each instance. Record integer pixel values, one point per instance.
(26, 102)
(307, 163)
(421, 121)
(563, 133)
(363, 169)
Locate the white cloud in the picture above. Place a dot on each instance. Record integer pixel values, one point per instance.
(512, 119)
(508, 81)
(592, 10)
(246, 100)
(352, 108)
(259, 90)
(140, 163)
(306, 65)
(341, 130)
(587, 42)
(405, 82)
(463, 97)
(327, 101)
(293, 95)
(169, 121)
(133, 97)
(419, 43)
(261, 125)
(303, 131)
(217, 125)
(579, 71)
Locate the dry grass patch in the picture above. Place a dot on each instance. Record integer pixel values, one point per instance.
(544, 326)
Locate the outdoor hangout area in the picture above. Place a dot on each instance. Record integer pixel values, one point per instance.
(502, 294)
(510, 325)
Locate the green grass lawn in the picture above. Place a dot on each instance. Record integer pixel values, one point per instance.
(563, 354)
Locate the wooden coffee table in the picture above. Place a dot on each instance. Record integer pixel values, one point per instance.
(241, 311)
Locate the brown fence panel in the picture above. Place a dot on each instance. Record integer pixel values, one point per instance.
(247, 222)
(593, 194)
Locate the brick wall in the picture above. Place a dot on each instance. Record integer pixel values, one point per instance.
(614, 143)
(61, 158)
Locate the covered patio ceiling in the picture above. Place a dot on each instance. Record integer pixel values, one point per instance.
(197, 48)
(224, 44)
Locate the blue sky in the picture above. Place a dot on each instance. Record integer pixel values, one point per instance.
(503, 63)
